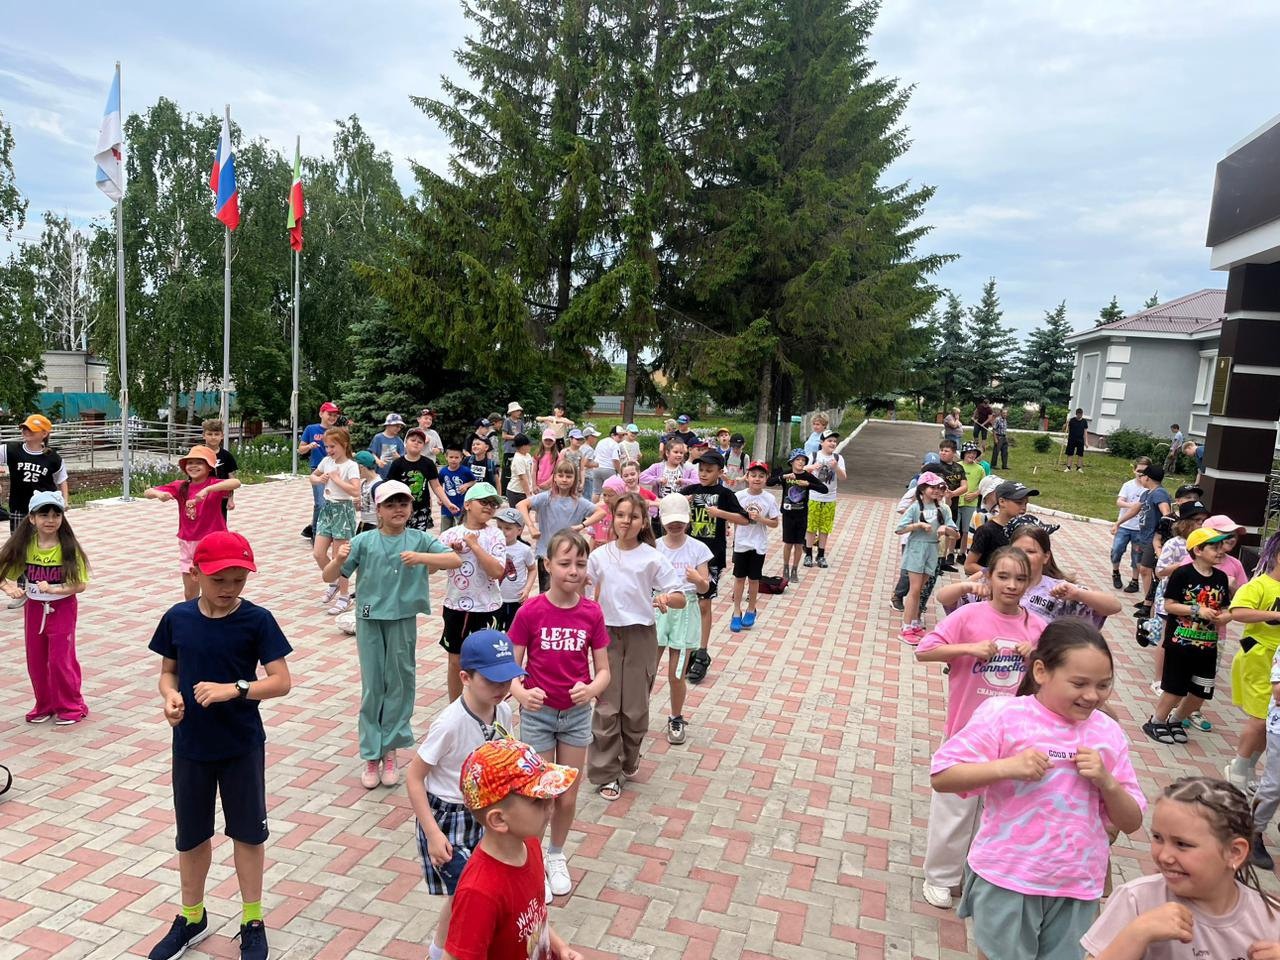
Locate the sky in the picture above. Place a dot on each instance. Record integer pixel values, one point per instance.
(1072, 144)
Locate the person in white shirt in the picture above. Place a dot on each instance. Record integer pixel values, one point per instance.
(1125, 533)
(606, 454)
(750, 542)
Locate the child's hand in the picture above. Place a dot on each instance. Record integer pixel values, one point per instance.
(1169, 921)
(12, 590)
(42, 586)
(532, 699)
(1089, 765)
(207, 694)
(980, 589)
(1264, 950)
(174, 708)
(534, 532)
(439, 850)
(580, 694)
(231, 504)
(164, 496)
(1029, 765)
(411, 558)
(454, 508)
(984, 651)
(344, 550)
(1024, 650)
(471, 539)
(660, 602)
(1063, 590)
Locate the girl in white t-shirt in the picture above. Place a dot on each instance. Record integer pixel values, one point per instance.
(680, 629)
(630, 578)
(1206, 900)
(339, 474)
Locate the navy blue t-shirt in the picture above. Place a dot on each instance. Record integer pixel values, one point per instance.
(450, 481)
(1149, 519)
(219, 650)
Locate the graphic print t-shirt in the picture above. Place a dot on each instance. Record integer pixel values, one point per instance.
(44, 565)
(29, 472)
(559, 644)
(516, 574)
(469, 588)
(1188, 585)
(826, 467)
(417, 476)
(451, 482)
(498, 910)
(711, 530)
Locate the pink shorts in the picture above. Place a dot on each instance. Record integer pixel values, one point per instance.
(186, 555)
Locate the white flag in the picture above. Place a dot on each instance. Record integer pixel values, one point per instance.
(110, 154)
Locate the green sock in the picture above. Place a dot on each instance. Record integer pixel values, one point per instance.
(193, 914)
(251, 912)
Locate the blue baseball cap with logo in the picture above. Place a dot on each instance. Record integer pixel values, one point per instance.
(488, 653)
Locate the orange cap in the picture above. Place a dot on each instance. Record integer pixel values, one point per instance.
(39, 423)
(199, 452)
(499, 768)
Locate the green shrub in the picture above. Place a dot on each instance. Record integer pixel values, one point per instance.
(1043, 443)
(1130, 442)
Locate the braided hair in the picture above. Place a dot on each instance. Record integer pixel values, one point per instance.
(1227, 811)
(1269, 555)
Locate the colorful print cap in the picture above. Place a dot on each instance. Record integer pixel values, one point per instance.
(499, 768)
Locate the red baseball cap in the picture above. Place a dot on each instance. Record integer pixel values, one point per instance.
(758, 465)
(330, 407)
(217, 551)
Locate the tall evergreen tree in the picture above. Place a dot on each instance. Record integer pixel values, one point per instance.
(21, 369)
(1110, 313)
(1152, 301)
(1043, 372)
(792, 261)
(987, 347)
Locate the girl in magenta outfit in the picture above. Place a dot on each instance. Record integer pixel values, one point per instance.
(199, 508)
(46, 551)
(1054, 774)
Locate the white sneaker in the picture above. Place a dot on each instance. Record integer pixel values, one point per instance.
(1155, 687)
(547, 895)
(558, 880)
(939, 897)
(1233, 778)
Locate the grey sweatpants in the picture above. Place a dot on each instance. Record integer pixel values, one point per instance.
(1267, 798)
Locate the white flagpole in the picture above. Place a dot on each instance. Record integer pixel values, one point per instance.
(293, 399)
(224, 408)
(126, 466)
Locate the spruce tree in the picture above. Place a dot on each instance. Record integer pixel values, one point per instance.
(1152, 301)
(1110, 313)
(987, 345)
(1043, 372)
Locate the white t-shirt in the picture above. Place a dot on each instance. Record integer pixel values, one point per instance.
(627, 580)
(1132, 492)
(453, 734)
(686, 557)
(754, 536)
(606, 450)
(347, 470)
(519, 559)
(521, 469)
(825, 467)
(469, 588)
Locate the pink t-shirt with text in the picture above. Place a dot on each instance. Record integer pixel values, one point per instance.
(972, 682)
(559, 644)
(1045, 838)
(208, 517)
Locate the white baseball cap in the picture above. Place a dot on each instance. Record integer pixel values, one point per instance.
(673, 508)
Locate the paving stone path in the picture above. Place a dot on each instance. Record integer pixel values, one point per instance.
(790, 825)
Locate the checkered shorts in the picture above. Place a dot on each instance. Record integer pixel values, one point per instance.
(463, 833)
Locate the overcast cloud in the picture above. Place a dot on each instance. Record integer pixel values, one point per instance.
(1072, 144)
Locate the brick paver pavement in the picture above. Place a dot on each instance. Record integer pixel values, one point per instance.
(791, 824)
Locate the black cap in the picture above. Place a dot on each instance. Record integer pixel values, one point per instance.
(1155, 472)
(712, 458)
(1013, 490)
(736, 439)
(483, 422)
(1192, 509)
(1187, 490)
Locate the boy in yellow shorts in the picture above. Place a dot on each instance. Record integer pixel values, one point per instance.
(827, 466)
(1257, 606)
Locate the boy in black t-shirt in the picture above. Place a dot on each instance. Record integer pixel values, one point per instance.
(711, 506)
(421, 475)
(1196, 598)
(483, 469)
(951, 470)
(796, 485)
(1011, 501)
(1076, 428)
(226, 467)
(212, 646)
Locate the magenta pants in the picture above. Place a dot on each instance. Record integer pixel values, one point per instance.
(51, 659)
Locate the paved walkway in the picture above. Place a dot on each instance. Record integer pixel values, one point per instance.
(790, 825)
(883, 456)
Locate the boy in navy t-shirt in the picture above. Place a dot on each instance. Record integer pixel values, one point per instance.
(454, 480)
(212, 646)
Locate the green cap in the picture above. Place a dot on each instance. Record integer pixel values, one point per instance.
(366, 459)
(482, 491)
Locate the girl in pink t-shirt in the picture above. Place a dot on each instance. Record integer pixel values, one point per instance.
(985, 644)
(1054, 774)
(560, 638)
(1206, 900)
(199, 499)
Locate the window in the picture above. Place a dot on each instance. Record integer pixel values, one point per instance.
(1204, 376)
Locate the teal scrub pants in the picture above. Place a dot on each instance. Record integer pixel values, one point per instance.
(387, 651)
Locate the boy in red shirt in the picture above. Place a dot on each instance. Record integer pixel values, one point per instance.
(499, 912)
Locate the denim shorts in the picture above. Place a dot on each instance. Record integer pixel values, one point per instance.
(543, 729)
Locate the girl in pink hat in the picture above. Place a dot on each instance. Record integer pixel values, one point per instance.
(926, 521)
(199, 498)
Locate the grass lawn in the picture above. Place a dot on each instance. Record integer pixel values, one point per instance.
(1090, 494)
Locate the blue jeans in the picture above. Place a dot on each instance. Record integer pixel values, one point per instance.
(1125, 538)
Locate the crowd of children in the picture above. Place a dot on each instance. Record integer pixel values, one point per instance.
(1031, 782)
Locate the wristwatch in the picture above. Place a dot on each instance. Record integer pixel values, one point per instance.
(242, 688)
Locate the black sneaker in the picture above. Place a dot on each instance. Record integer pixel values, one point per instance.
(1258, 855)
(895, 601)
(696, 672)
(307, 533)
(180, 936)
(253, 941)
(822, 562)
(1132, 587)
(1116, 580)
(948, 566)
(808, 560)
(1142, 611)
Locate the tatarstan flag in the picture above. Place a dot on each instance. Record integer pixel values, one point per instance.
(297, 207)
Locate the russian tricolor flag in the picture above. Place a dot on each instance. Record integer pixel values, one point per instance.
(223, 179)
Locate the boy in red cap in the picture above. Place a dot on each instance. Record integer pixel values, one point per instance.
(498, 911)
(312, 444)
(209, 682)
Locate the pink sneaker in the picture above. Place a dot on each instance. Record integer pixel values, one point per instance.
(389, 775)
(911, 635)
(370, 778)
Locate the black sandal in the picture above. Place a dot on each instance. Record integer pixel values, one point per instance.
(1178, 731)
(1159, 732)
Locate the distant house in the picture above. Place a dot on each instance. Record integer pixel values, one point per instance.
(73, 371)
(1150, 369)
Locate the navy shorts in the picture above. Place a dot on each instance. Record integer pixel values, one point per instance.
(240, 782)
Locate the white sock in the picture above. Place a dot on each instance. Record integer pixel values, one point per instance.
(435, 953)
